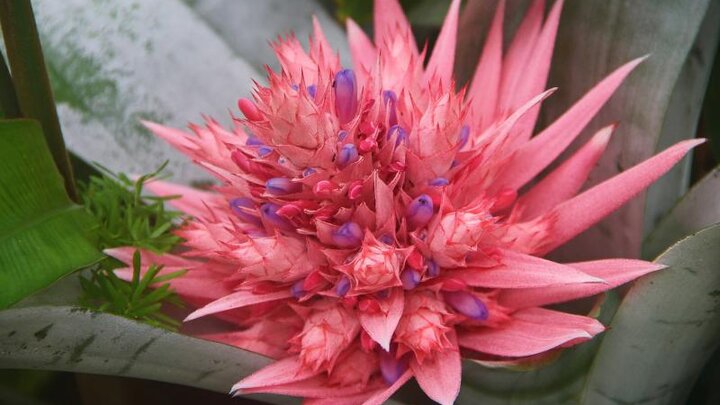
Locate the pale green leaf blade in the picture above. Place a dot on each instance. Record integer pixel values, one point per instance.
(78, 340)
(665, 330)
(699, 208)
(43, 235)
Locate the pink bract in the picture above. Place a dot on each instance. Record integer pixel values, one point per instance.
(373, 223)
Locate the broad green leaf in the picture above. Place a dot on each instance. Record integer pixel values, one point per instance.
(699, 208)
(248, 25)
(666, 328)
(78, 340)
(30, 81)
(113, 63)
(43, 235)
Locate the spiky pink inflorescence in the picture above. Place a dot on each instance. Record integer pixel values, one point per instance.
(373, 221)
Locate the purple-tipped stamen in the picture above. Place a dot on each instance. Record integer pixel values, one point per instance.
(345, 95)
(464, 135)
(433, 270)
(342, 135)
(439, 182)
(348, 235)
(343, 286)
(397, 132)
(297, 289)
(390, 100)
(348, 154)
(467, 304)
(270, 215)
(410, 278)
(312, 90)
(391, 368)
(240, 207)
(281, 186)
(420, 211)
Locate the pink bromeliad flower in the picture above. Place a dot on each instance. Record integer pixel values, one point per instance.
(371, 227)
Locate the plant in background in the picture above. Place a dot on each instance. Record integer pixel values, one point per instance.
(374, 223)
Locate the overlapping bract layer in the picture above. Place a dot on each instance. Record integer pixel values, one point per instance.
(372, 222)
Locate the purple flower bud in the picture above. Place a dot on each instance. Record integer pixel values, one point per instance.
(345, 95)
(343, 286)
(295, 87)
(390, 100)
(467, 304)
(270, 215)
(297, 289)
(387, 239)
(342, 135)
(420, 211)
(464, 135)
(439, 182)
(433, 270)
(253, 141)
(264, 151)
(390, 367)
(410, 278)
(397, 132)
(237, 205)
(308, 171)
(312, 90)
(282, 185)
(382, 294)
(348, 154)
(348, 235)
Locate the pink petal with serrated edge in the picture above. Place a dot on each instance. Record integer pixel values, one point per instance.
(440, 376)
(565, 181)
(191, 201)
(614, 271)
(531, 331)
(389, 18)
(238, 299)
(362, 51)
(583, 211)
(381, 325)
(485, 87)
(440, 65)
(283, 371)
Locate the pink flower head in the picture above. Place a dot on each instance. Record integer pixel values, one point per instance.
(372, 222)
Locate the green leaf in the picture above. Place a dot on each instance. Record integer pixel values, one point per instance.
(665, 330)
(78, 340)
(43, 235)
(699, 208)
(30, 79)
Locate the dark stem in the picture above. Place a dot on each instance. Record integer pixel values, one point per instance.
(8, 101)
(32, 86)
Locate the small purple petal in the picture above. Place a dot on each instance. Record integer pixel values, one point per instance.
(391, 368)
(464, 135)
(410, 278)
(387, 239)
(282, 185)
(312, 90)
(348, 235)
(342, 135)
(264, 151)
(433, 270)
(345, 95)
(343, 286)
(439, 182)
(467, 304)
(297, 289)
(295, 87)
(253, 141)
(308, 171)
(270, 215)
(397, 132)
(237, 205)
(390, 100)
(348, 154)
(420, 211)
